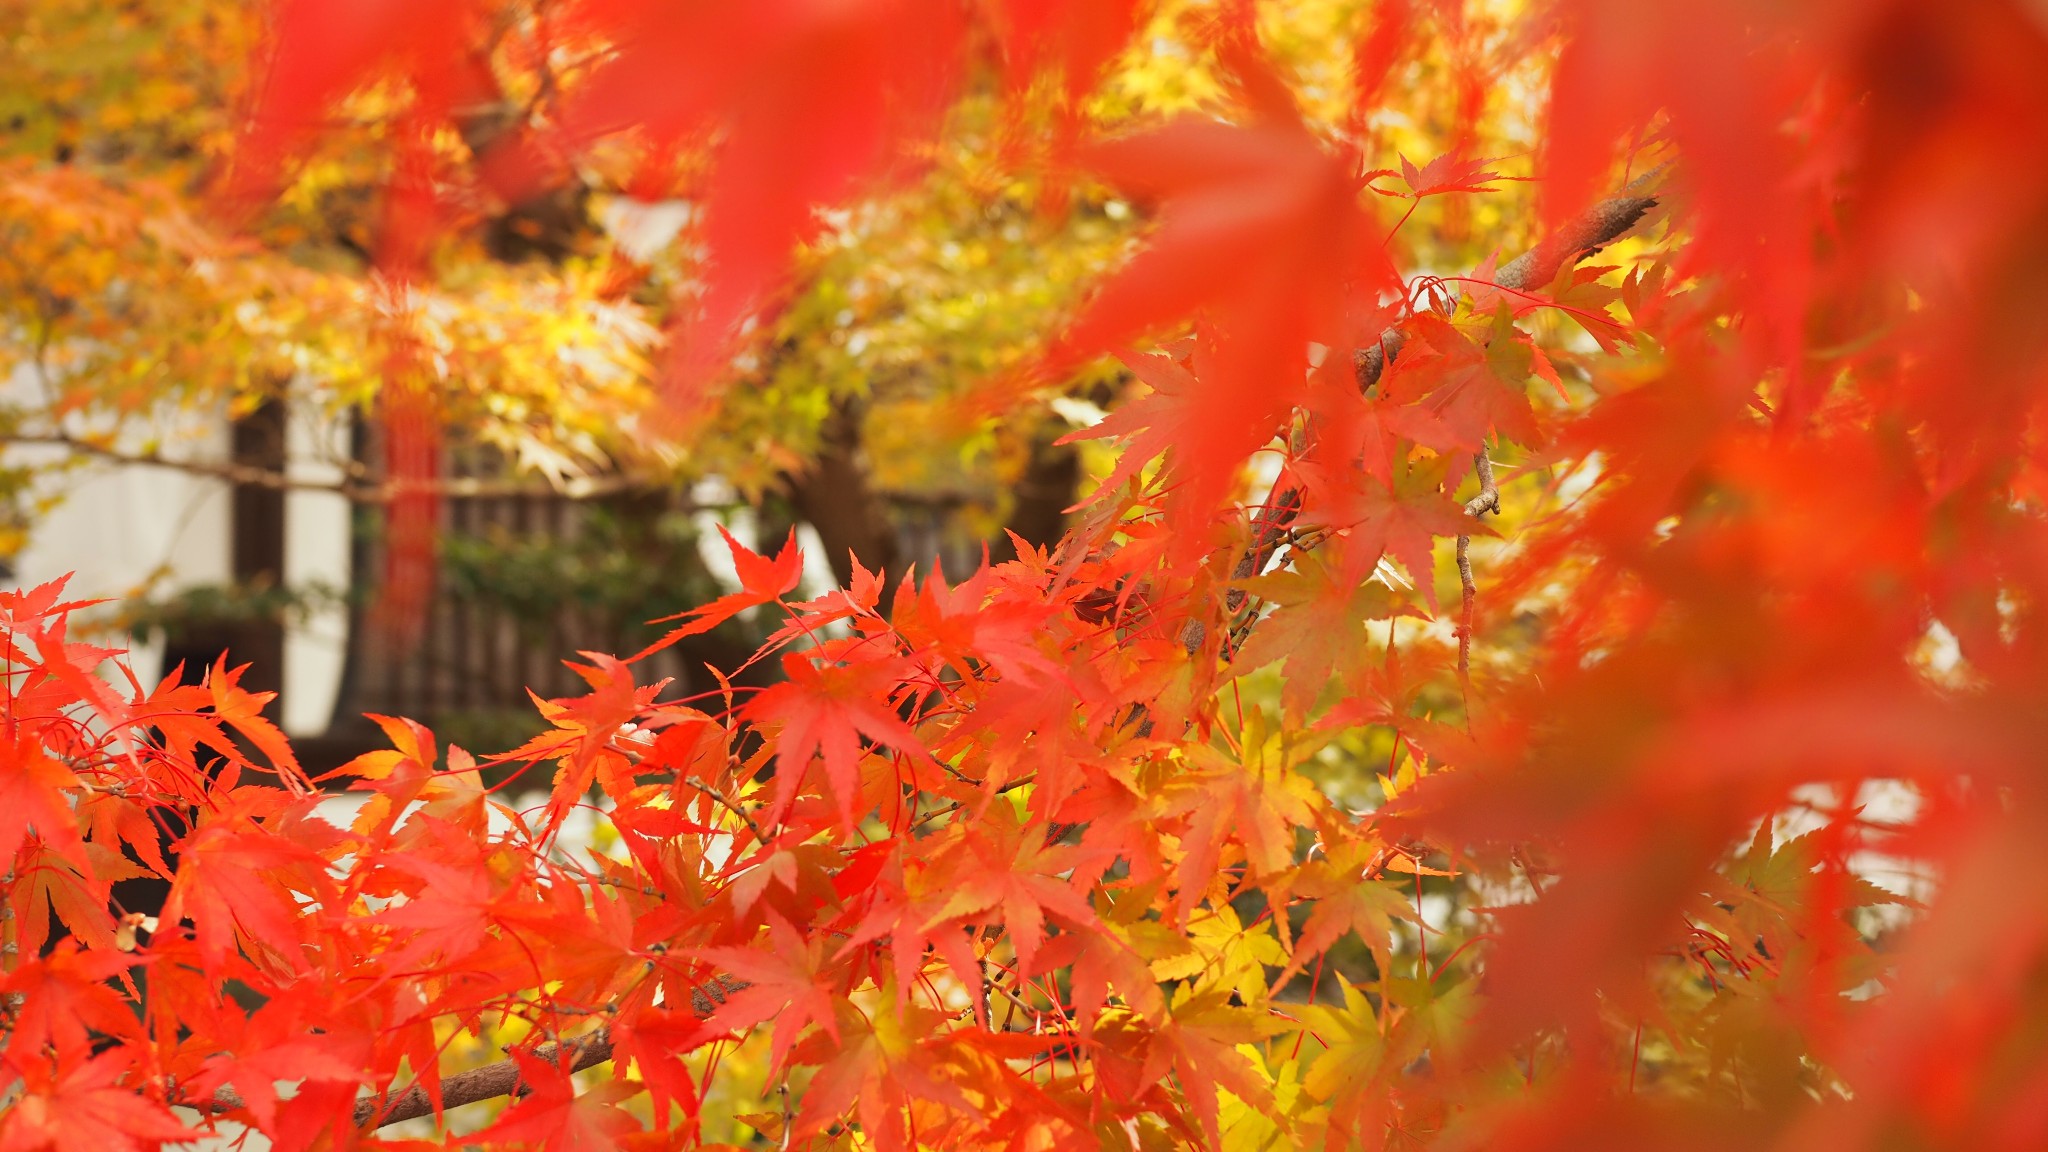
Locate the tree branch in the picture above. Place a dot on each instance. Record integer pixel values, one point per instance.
(355, 491)
(493, 1080)
(1593, 229)
(1488, 500)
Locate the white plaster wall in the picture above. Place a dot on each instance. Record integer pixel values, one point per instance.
(316, 551)
(112, 527)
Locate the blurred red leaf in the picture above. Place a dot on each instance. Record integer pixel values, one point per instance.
(1260, 233)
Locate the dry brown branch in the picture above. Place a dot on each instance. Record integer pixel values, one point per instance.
(494, 1080)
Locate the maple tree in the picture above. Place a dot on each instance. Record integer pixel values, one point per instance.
(1486, 708)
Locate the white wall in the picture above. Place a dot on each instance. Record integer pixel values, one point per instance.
(316, 551)
(113, 527)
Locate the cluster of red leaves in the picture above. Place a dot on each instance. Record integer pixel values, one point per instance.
(1009, 866)
(901, 845)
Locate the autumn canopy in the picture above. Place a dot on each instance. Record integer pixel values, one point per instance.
(1546, 646)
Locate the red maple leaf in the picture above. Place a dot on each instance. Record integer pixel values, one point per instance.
(586, 730)
(234, 874)
(86, 1105)
(72, 665)
(1259, 230)
(1450, 172)
(450, 908)
(762, 581)
(785, 984)
(1318, 625)
(243, 710)
(654, 1041)
(1477, 390)
(824, 710)
(1005, 872)
(62, 995)
(47, 882)
(553, 1115)
(881, 1066)
(1402, 518)
(266, 1054)
(35, 792)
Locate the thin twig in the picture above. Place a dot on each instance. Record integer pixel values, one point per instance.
(1488, 500)
(492, 1080)
(729, 806)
